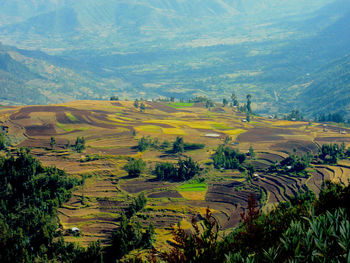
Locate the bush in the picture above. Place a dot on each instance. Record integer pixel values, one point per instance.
(165, 171)
(79, 144)
(129, 236)
(330, 153)
(30, 195)
(3, 141)
(178, 145)
(135, 167)
(137, 205)
(228, 158)
(294, 163)
(183, 171)
(147, 142)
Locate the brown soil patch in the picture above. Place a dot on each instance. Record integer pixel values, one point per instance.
(167, 194)
(263, 134)
(162, 107)
(260, 165)
(108, 203)
(113, 151)
(94, 118)
(300, 146)
(142, 185)
(315, 182)
(164, 220)
(333, 139)
(41, 130)
(227, 193)
(118, 104)
(271, 157)
(23, 113)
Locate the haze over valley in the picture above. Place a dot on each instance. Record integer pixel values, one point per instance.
(275, 50)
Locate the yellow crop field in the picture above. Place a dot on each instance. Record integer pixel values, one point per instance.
(114, 119)
(234, 132)
(195, 196)
(286, 123)
(173, 131)
(221, 126)
(148, 128)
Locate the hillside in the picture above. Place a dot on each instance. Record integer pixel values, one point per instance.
(330, 90)
(29, 77)
(112, 131)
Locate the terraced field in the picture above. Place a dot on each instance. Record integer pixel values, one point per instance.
(112, 130)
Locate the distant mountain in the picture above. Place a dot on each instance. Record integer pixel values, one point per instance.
(28, 77)
(84, 24)
(12, 11)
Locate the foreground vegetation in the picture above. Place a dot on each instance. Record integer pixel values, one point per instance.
(30, 195)
(304, 229)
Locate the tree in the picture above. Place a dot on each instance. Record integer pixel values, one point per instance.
(30, 195)
(148, 236)
(136, 103)
(209, 104)
(79, 144)
(187, 169)
(68, 145)
(249, 102)
(165, 171)
(52, 142)
(251, 170)
(251, 152)
(143, 144)
(183, 171)
(135, 167)
(227, 139)
(234, 99)
(330, 153)
(142, 107)
(113, 98)
(3, 141)
(137, 205)
(129, 236)
(228, 158)
(224, 102)
(178, 145)
(197, 246)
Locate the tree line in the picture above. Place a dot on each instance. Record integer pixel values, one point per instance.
(30, 194)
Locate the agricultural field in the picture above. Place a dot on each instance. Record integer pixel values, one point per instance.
(112, 131)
